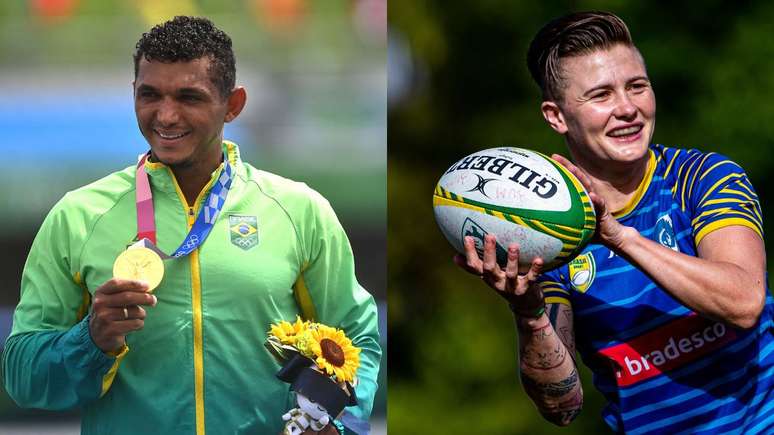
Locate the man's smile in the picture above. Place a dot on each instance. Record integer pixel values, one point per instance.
(170, 135)
(625, 130)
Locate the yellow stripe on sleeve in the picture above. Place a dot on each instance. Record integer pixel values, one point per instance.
(726, 212)
(717, 184)
(729, 191)
(304, 298)
(83, 309)
(713, 167)
(756, 208)
(558, 300)
(554, 290)
(744, 186)
(709, 213)
(726, 223)
(751, 202)
(726, 201)
(107, 380)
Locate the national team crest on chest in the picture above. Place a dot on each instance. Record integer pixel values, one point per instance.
(243, 230)
(582, 271)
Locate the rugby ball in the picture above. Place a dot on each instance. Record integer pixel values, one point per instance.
(519, 196)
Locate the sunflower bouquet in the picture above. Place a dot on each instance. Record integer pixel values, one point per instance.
(320, 363)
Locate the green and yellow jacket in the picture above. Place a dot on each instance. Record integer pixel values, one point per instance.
(199, 365)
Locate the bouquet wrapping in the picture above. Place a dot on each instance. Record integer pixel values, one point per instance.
(320, 364)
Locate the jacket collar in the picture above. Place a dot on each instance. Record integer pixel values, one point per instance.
(162, 178)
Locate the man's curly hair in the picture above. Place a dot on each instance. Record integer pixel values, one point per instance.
(183, 39)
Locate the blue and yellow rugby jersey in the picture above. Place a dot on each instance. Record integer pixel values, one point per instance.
(661, 367)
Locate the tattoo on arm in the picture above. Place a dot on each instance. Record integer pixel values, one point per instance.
(543, 352)
(565, 411)
(544, 359)
(551, 389)
(561, 317)
(575, 401)
(540, 348)
(562, 418)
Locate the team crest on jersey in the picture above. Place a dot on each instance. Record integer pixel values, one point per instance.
(665, 232)
(582, 271)
(243, 230)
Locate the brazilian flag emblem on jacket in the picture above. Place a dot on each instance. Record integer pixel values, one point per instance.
(243, 230)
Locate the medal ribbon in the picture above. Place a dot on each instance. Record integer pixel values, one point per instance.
(146, 223)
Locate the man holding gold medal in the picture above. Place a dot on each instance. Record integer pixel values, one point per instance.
(148, 342)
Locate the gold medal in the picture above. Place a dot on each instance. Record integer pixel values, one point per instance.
(140, 264)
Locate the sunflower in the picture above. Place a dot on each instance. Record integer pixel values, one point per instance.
(288, 332)
(335, 353)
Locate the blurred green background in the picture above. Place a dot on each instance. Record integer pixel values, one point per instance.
(458, 82)
(317, 88)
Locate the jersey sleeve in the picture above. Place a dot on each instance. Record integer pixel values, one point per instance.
(720, 195)
(339, 301)
(554, 292)
(49, 360)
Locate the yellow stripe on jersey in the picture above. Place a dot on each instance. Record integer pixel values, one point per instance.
(726, 213)
(558, 300)
(713, 167)
(549, 290)
(671, 162)
(729, 191)
(690, 169)
(712, 226)
(745, 187)
(752, 200)
(641, 189)
(718, 183)
(725, 200)
(680, 178)
(659, 158)
(693, 178)
(708, 213)
(748, 201)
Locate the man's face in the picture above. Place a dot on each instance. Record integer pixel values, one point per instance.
(608, 106)
(179, 111)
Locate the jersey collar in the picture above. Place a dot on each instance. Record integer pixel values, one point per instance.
(641, 189)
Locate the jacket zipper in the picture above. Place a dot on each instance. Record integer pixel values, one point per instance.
(196, 308)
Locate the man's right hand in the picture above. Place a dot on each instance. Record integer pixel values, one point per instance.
(116, 311)
(524, 297)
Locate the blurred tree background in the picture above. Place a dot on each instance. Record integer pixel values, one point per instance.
(317, 89)
(458, 82)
